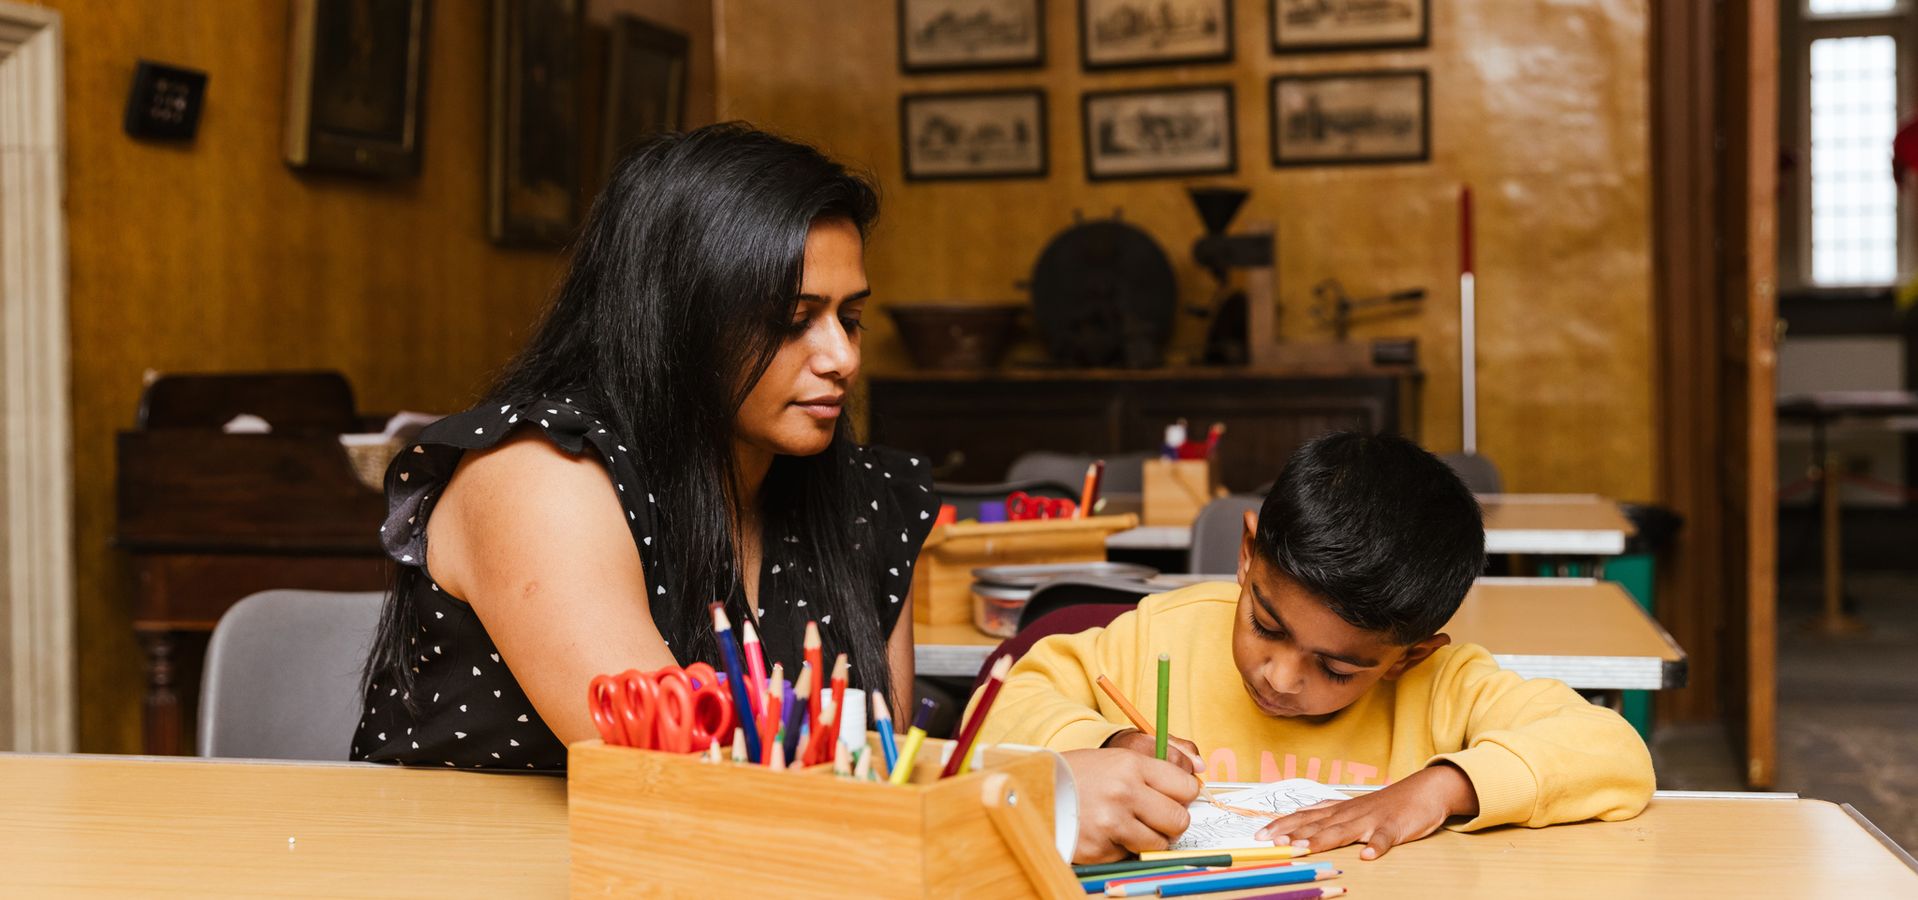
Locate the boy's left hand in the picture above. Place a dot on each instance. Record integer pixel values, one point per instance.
(1398, 813)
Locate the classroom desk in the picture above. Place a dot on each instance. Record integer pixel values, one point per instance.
(1540, 524)
(114, 826)
(1589, 634)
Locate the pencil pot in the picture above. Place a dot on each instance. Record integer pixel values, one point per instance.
(942, 576)
(658, 824)
(1176, 489)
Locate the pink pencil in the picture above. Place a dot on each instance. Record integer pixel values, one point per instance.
(755, 670)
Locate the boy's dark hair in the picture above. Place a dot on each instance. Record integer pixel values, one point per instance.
(1380, 529)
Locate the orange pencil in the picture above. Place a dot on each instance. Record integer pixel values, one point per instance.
(1140, 722)
(1089, 494)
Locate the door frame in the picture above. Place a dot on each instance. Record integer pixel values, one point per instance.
(36, 437)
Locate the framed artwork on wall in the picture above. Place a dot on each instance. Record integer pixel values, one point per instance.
(645, 86)
(533, 170)
(1342, 118)
(987, 134)
(1311, 26)
(955, 35)
(355, 78)
(1115, 34)
(1159, 132)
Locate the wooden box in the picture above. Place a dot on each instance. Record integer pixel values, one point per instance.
(942, 578)
(644, 823)
(1176, 489)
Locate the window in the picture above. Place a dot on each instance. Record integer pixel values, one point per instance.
(1847, 70)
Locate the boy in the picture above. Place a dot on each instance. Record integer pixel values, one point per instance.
(1326, 662)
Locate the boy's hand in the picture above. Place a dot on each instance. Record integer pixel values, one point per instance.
(1127, 803)
(1398, 813)
(1180, 752)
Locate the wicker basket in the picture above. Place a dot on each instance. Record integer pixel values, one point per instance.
(370, 456)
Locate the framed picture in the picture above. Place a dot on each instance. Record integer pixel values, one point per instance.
(991, 134)
(533, 169)
(1116, 34)
(1159, 132)
(950, 35)
(354, 83)
(1307, 26)
(1351, 117)
(645, 86)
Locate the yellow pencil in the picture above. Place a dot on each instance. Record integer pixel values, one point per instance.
(1241, 855)
(915, 738)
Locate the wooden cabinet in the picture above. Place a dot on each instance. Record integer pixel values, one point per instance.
(973, 425)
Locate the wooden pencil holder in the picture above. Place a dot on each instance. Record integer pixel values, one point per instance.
(1176, 489)
(657, 824)
(942, 577)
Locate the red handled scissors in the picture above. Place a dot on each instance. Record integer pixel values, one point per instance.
(1021, 506)
(673, 709)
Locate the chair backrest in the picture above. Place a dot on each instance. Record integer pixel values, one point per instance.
(1080, 590)
(289, 401)
(1061, 620)
(1125, 472)
(1216, 534)
(1478, 472)
(282, 675)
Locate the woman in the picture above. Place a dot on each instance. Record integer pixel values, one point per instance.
(672, 435)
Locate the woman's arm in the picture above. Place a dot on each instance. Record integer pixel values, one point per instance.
(899, 656)
(535, 540)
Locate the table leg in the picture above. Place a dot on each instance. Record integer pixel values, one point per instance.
(162, 726)
(1833, 619)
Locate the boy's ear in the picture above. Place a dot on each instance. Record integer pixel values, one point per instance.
(1248, 544)
(1416, 654)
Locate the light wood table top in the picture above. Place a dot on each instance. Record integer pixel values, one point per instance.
(1589, 634)
(1554, 524)
(140, 826)
(91, 825)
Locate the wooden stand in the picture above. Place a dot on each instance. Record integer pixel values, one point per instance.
(659, 824)
(942, 578)
(1175, 490)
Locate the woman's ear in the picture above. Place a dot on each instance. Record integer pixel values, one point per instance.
(1416, 654)
(1248, 544)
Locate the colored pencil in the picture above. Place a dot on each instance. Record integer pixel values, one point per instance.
(714, 755)
(1139, 886)
(851, 725)
(819, 743)
(739, 745)
(882, 722)
(841, 762)
(1165, 704)
(841, 672)
(1132, 865)
(796, 713)
(776, 756)
(742, 698)
(815, 658)
(862, 770)
(769, 722)
(1089, 493)
(1138, 721)
(1239, 856)
(970, 730)
(1314, 893)
(1232, 881)
(1097, 883)
(915, 738)
(755, 667)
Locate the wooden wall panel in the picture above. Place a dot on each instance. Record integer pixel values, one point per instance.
(215, 256)
(1543, 107)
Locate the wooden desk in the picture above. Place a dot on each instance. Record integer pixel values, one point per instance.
(1554, 524)
(116, 826)
(1588, 634)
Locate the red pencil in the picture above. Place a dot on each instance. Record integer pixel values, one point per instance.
(755, 670)
(841, 673)
(964, 745)
(815, 658)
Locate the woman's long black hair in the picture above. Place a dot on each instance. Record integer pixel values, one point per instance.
(681, 289)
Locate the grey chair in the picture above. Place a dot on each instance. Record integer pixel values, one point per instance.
(1478, 472)
(282, 676)
(1216, 533)
(1125, 472)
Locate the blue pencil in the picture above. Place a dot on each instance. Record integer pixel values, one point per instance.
(742, 702)
(1232, 881)
(882, 722)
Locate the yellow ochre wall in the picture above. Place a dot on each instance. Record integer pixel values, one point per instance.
(1542, 107)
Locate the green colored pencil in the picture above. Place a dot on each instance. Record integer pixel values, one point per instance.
(1133, 865)
(1165, 704)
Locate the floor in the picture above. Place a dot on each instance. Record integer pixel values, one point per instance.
(1847, 710)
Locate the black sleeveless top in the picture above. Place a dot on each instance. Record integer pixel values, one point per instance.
(471, 712)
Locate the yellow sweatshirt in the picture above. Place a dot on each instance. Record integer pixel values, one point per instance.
(1536, 752)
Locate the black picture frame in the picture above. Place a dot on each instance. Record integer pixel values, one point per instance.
(908, 66)
(646, 75)
(534, 159)
(1279, 48)
(1087, 63)
(1276, 120)
(355, 87)
(1092, 140)
(1040, 134)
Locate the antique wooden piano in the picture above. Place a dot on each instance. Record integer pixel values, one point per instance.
(208, 517)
